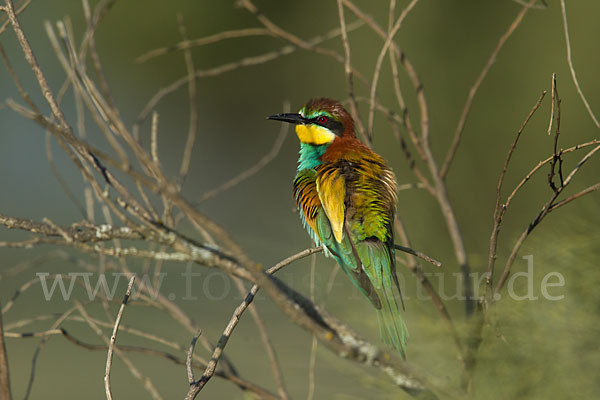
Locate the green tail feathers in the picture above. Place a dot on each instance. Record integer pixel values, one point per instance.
(391, 325)
(378, 263)
(370, 266)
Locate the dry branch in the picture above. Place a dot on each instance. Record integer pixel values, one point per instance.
(386, 46)
(5, 393)
(412, 74)
(248, 172)
(418, 254)
(547, 208)
(113, 339)
(187, 44)
(563, 9)
(145, 381)
(242, 383)
(500, 208)
(473, 91)
(190, 357)
(350, 75)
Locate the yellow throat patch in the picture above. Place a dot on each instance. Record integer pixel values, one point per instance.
(314, 134)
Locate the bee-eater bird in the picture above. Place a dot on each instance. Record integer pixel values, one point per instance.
(346, 196)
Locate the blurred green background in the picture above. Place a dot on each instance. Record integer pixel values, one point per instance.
(539, 349)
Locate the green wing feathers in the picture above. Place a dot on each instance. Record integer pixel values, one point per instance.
(344, 255)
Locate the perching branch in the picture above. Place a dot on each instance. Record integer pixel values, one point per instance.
(418, 254)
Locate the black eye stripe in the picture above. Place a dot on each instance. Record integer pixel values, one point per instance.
(331, 124)
(335, 126)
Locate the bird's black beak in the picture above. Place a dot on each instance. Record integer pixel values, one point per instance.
(295, 119)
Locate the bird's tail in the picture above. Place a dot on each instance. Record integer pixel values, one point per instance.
(391, 325)
(371, 267)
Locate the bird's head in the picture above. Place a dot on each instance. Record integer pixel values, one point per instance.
(319, 121)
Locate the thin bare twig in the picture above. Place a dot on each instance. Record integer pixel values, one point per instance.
(269, 349)
(113, 339)
(313, 347)
(89, 43)
(197, 386)
(186, 43)
(282, 33)
(190, 357)
(22, 92)
(248, 172)
(575, 196)
(5, 393)
(193, 114)
(63, 183)
(412, 74)
(349, 75)
(467, 108)
(500, 208)
(556, 154)
(563, 9)
(441, 195)
(542, 6)
(177, 314)
(418, 254)
(540, 164)
(475, 337)
(146, 382)
(22, 289)
(552, 92)
(242, 383)
(39, 347)
(546, 209)
(394, 119)
(244, 62)
(388, 41)
(21, 8)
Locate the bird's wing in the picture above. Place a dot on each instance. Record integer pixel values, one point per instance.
(374, 200)
(332, 229)
(343, 253)
(374, 203)
(331, 187)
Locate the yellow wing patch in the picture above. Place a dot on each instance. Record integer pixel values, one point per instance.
(331, 187)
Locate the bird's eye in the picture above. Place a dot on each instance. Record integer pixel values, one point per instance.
(322, 119)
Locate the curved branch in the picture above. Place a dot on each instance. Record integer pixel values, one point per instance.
(469, 103)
